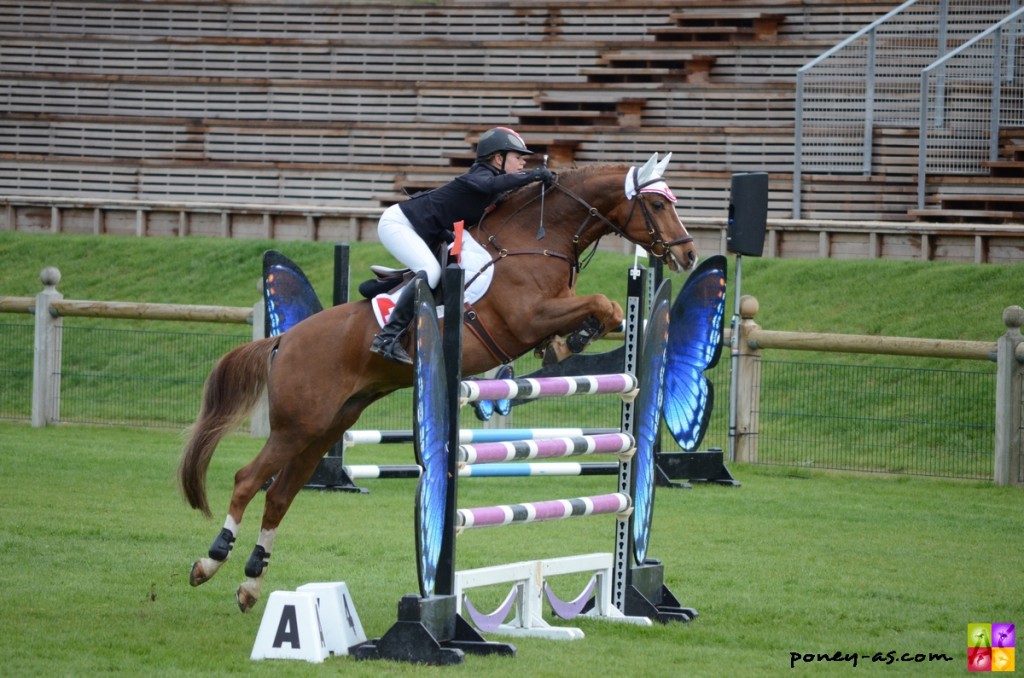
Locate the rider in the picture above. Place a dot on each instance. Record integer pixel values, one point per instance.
(412, 230)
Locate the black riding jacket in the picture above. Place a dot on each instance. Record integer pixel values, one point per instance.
(464, 198)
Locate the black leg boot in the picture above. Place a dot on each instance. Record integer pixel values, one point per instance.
(388, 342)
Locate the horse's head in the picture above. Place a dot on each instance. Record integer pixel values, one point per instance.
(648, 216)
(589, 202)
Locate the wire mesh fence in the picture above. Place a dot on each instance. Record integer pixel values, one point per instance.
(890, 419)
(136, 377)
(16, 356)
(887, 419)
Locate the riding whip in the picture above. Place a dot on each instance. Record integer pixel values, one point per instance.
(543, 187)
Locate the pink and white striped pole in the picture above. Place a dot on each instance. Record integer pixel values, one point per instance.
(545, 387)
(555, 509)
(551, 448)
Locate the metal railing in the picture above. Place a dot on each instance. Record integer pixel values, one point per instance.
(966, 97)
(871, 80)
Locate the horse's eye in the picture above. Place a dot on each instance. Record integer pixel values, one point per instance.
(658, 204)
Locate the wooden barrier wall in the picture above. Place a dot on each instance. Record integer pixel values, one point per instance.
(785, 238)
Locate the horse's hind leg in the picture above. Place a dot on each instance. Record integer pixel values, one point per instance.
(248, 482)
(204, 568)
(279, 497)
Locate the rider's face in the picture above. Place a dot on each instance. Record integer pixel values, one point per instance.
(514, 162)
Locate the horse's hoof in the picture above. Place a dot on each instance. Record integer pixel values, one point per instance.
(246, 599)
(203, 570)
(197, 575)
(556, 352)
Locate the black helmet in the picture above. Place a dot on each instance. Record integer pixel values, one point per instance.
(500, 139)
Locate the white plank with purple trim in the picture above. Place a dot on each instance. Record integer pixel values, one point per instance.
(530, 577)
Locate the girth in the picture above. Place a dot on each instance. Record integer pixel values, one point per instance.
(476, 326)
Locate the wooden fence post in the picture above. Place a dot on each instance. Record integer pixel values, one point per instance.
(46, 361)
(1009, 456)
(748, 383)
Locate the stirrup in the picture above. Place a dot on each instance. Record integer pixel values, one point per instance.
(391, 350)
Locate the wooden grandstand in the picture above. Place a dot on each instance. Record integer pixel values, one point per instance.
(332, 104)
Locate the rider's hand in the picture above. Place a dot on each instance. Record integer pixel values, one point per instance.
(448, 236)
(542, 174)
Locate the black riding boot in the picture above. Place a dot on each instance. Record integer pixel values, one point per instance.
(388, 342)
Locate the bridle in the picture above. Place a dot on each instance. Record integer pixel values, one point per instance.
(579, 259)
(657, 244)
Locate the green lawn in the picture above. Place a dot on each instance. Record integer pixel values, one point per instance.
(98, 544)
(97, 547)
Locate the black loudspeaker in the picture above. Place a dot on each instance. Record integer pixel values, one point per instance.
(748, 213)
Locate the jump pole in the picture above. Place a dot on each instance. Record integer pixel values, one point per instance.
(470, 435)
(429, 630)
(509, 470)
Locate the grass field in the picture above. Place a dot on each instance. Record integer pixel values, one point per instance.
(97, 546)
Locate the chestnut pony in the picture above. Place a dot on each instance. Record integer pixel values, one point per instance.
(320, 375)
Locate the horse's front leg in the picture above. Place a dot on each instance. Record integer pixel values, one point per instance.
(583, 319)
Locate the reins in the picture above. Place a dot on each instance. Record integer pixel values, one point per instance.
(578, 260)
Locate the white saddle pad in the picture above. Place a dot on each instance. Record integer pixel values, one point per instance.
(474, 259)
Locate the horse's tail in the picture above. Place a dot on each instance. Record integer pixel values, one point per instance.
(231, 391)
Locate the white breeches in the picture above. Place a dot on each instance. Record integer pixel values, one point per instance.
(399, 237)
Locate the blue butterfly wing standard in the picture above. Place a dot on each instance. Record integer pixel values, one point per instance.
(648, 419)
(695, 345)
(288, 296)
(431, 425)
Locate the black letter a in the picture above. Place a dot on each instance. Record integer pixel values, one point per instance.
(287, 628)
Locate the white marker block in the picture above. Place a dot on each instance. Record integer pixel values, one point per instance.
(291, 628)
(342, 628)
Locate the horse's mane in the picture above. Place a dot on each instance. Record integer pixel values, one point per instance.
(570, 177)
(587, 170)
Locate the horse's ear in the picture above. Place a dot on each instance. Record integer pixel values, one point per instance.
(660, 169)
(646, 173)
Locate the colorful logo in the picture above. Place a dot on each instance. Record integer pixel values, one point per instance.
(991, 647)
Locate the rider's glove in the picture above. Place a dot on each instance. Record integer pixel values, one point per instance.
(542, 174)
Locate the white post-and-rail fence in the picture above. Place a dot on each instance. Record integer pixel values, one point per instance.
(50, 307)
